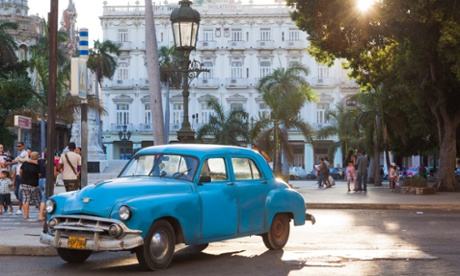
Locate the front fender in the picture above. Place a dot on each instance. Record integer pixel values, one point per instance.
(285, 201)
(184, 208)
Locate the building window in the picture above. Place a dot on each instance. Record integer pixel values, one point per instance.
(237, 70)
(237, 35)
(123, 114)
(264, 110)
(147, 114)
(321, 109)
(294, 35)
(122, 71)
(208, 35)
(206, 112)
(210, 66)
(123, 35)
(323, 72)
(236, 106)
(265, 34)
(265, 68)
(177, 115)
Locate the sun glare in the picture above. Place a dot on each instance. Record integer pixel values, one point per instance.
(364, 5)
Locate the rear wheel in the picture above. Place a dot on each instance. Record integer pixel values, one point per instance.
(158, 249)
(278, 235)
(73, 255)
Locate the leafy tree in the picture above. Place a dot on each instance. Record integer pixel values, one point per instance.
(285, 91)
(8, 45)
(153, 72)
(224, 128)
(424, 37)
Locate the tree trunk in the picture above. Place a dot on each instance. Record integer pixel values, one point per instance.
(153, 73)
(448, 153)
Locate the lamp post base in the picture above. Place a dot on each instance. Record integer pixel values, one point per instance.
(186, 136)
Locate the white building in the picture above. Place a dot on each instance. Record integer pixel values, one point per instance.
(239, 43)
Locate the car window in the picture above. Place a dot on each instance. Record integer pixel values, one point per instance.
(171, 165)
(245, 168)
(215, 168)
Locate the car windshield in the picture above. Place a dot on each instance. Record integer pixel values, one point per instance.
(162, 165)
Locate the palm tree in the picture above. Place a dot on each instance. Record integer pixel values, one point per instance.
(7, 44)
(169, 69)
(225, 128)
(285, 91)
(102, 62)
(153, 72)
(341, 123)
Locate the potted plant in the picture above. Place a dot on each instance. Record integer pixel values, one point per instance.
(416, 185)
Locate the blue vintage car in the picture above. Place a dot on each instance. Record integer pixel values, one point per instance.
(165, 195)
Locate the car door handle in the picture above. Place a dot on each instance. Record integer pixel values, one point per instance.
(264, 182)
(230, 183)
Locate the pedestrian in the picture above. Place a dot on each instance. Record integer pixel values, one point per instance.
(325, 170)
(319, 174)
(5, 191)
(42, 183)
(351, 170)
(68, 165)
(362, 163)
(17, 162)
(30, 173)
(393, 176)
(422, 171)
(256, 148)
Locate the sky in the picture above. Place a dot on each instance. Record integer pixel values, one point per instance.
(88, 16)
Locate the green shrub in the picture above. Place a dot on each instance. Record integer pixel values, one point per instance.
(415, 181)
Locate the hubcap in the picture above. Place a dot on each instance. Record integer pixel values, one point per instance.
(159, 245)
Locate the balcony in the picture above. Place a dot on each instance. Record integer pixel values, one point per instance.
(124, 45)
(145, 127)
(144, 83)
(236, 45)
(207, 83)
(119, 127)
(297, 44)
(236, 83)
(268, 44)
(322, 82)
(349, 84)
(206, 45)
(122, 84)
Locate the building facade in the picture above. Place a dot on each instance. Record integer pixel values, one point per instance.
(239, 43)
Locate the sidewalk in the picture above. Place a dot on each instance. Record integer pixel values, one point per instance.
(19, 237)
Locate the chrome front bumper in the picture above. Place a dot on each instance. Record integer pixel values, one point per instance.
(94, 231)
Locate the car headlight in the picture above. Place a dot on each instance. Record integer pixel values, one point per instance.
(50, 206)
(124, 212)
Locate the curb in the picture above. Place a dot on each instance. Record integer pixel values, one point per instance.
(28, 250)
(364, 206)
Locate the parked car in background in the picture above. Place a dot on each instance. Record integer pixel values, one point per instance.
(311, 175)
(297, 173)
(402, 172)
(337, 173)
(171, 194)
(413, 171)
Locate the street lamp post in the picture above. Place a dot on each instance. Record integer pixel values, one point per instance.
(124, 136)
(185, 23)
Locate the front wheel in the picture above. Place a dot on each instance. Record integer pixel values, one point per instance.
(278, 235)
(158, 249)
(73, 256)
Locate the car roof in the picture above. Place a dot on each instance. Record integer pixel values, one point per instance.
(198, 150)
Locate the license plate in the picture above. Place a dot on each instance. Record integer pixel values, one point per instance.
(76, 242)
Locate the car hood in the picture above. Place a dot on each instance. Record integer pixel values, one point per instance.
(100, 198)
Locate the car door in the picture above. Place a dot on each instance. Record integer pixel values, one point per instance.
(219, 202)
(252, 189)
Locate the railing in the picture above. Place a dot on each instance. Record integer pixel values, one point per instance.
(236, 44)
(206, 45)
(236, 83)
(145, 127)
(322, 82)
(119, 127)
(296, 44)
(124, 45)
(265, 44)
(207, 83)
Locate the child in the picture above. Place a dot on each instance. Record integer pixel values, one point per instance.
(5, 191)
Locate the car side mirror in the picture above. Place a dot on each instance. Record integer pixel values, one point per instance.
(205, 179)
